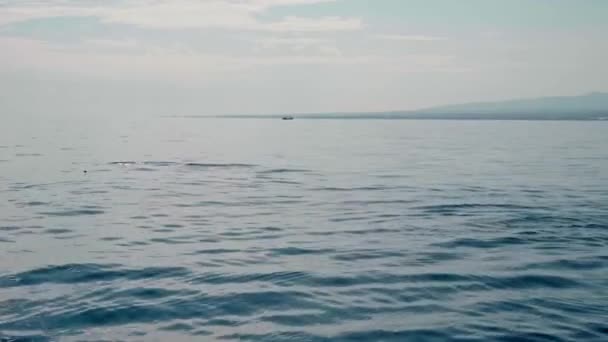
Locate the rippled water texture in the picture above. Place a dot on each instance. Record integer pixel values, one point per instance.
(309, 230)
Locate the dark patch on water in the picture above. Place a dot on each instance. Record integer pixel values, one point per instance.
(57, 231)
(159, 215)
(370, 335)
(298, 251)
(219, 165)
(159, 163)
(28, 155)
(280, 181)
(178, 327)
(123, 163)
(171, 241)
(370, 202)
(588, 263)
(280, 171)
(348, 189)
(111, 238)
(35, 203)
(215, 251)
(24, 338)
(479, 243)
(452, 209)
(368, 255)
(85, 273)
(68, 213)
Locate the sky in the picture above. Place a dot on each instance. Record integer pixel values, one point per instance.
(214, 57)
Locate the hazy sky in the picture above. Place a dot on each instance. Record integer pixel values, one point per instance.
(187, 57)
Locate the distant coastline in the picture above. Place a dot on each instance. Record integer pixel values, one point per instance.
(588, 107)
(393, 116)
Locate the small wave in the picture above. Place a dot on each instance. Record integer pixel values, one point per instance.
(178, 327)
(219, 165)
(185, 305)
(171, 241)
(81, 212)
(84, 273)
(280, 181)
(367, 335)
(28, 155)
(445, 208)
(215, 251)
(349, 219)
(532, 281)
(369, 202)
(24, 338)
(279, 278)
(367, 255)
(123, 163)
(111, 238)
(565, 264)
(479, 243)
(343, 189)
(24, 186)
(527, 281)
(298, 251)
(159, 163)
(210, 203)
(272, 171)
(88, 192)
(57, 231)
(534, 219)
(35, 203)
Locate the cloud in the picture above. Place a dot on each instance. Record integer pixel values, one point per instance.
(117, 59)
(410, 38)
(296, 45)
(248, 40)
(180, 14)
(121, 60)
(225, 15)
(12, 11)
(296, 24)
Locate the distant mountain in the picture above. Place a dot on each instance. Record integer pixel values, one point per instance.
(585, 107)
(592, 106)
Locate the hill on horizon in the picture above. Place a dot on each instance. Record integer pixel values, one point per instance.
(587, 105)
(591, 106)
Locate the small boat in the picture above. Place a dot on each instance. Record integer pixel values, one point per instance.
(287, 118)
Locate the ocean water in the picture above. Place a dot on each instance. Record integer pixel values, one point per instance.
(309, 230)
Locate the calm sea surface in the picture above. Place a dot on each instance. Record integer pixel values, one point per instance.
(305, 230)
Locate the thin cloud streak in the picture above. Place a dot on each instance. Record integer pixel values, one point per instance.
(182, 14)
(410, 38)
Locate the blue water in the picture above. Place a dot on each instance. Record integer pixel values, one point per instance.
(308, 230)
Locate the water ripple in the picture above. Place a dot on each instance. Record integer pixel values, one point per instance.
(409, 232)
(82, 273)
(79, 212)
